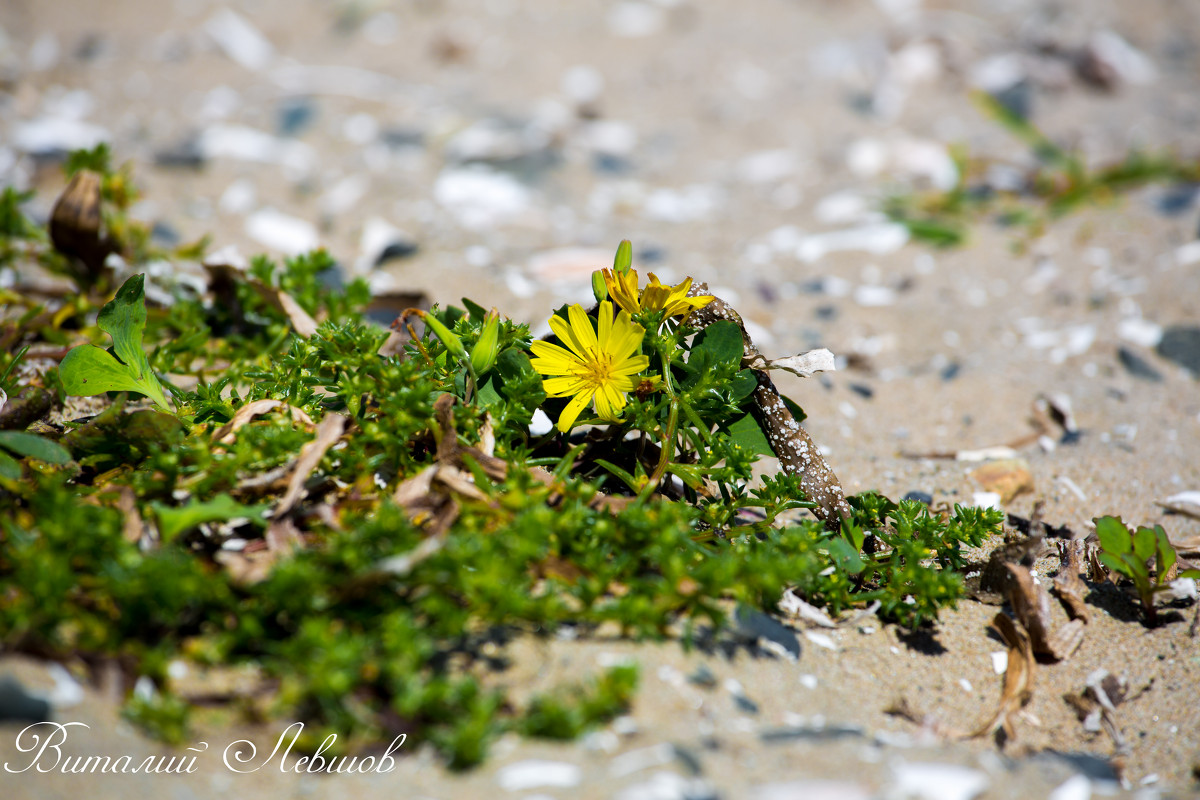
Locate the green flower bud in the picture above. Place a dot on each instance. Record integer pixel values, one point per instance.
(624, 259)
(483, 355)
(599, 288)
(453, 344)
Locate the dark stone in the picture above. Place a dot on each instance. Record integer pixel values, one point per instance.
(1177, 199)
(608, 164)
(920, 497)
(756, 625)
(862, 390)
(703, 676)
(951, 370)
(164, 234)
(18, 705)
(332, 278)
(1017, 99)
(1138, 367)
(1181, 345)
(295, 115)
(403, 137)
(401, 248)
(186, 154)
(826, 312)
(745, 704)
(825, 733)
(651, 254)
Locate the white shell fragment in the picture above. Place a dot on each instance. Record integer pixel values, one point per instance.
(805, 365)
(881, 239)
(479, 198)
(792, 605)
(535, 773)
(239, 40)
(278, 231)
(811, 789)
(1076, 787)
(929, 781)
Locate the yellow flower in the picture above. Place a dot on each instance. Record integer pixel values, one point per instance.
(595, 366)
(656, 297)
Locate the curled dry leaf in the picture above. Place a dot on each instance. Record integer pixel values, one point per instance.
(304, 325)
(1018, 678)
(1069, 585)
(328, 432)
(283, 536)
(225, 434)
(1031, 604)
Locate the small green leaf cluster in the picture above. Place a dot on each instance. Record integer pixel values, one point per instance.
(1130, 555)
(1059, 183)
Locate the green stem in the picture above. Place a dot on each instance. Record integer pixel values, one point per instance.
(666, 454)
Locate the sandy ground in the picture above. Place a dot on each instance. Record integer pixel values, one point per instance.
(714, 136)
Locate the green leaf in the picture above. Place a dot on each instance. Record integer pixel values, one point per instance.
(1137, 569)
(1166, 553)
(9, 468)
(1143, 543)
(173, 521)
(630, 481)
(720, 343)
(1190, 573)
(845, 556)
(88, 370)
(1115, 564)
(476, 311)
(742, 385)
(1113, 535)
(796, 410)
(748, 434)
(34, 446)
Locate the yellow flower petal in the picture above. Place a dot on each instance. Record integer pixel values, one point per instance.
(571, 412)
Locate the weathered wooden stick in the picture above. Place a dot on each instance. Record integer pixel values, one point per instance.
(797, 453)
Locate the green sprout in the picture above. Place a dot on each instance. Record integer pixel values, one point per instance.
(89, 370)
(1130, 556)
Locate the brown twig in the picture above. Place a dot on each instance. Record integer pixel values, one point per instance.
(797, 453)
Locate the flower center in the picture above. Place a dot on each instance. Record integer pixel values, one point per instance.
(598, 369)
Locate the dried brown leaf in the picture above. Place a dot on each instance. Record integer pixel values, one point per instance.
(134, 526)
(459, 481)
(1018, 678)
(414, 489)
(1031, 604)
(247, 568)
(225, 434)
(283, 536)
(1069, 585)
(328, 433)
